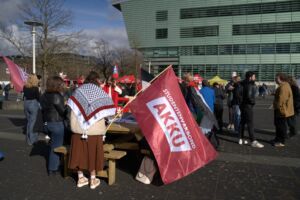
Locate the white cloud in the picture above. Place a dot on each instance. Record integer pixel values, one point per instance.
(117, 37)
(9, 10)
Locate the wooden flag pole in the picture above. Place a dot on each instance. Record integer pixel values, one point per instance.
(118, 114)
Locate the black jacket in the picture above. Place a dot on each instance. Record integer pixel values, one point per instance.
(237, 94)
(220, 96)
(296, 98)
(249, 92)
(53, 107)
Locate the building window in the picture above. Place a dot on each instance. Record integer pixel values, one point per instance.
(162, 15)
(267, 48)
(253, 49)
(186, 51)
(199, 50)
(283, 48)
(162, 33)
(295, 48)
(239, 49)
(211, 50)
(225, 49)
(266, 28)
(243, 9)
(203, 31)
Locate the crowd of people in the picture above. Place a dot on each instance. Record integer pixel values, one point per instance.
(65, 112)
(241, 100)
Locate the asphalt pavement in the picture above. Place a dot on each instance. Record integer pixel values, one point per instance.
(239, 172)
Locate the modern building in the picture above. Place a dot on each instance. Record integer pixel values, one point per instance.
(212, 37)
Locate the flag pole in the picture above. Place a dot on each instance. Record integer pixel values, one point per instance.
(142, 90)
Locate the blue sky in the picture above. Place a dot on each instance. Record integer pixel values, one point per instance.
(98, 19)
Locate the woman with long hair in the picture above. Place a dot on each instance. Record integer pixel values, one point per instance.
(54, 112)
(89, 105)
(31, 107)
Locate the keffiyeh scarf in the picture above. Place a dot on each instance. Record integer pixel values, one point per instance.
(90, 104)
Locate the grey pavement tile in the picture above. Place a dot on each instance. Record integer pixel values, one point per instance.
(273, 171)
(280, 194)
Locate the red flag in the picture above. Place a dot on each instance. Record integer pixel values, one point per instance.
(115, 72)
(177, 143)
(17, 75)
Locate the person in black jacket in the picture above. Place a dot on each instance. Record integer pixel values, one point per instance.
(247, 104)
(292, 121)
(218, 111)
(31, 107)
(54, 112)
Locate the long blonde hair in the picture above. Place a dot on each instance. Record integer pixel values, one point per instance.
(32, 81)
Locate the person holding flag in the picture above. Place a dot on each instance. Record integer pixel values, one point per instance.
(171, 131)
(89, 105)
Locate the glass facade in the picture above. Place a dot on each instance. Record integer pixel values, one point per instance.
(264, 72)
(266, 28)
(217, 37)
(203, 31)
(243, 9)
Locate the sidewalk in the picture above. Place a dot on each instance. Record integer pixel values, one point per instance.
(240, 172)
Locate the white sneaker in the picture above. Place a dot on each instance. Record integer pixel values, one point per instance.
(256, 144)
(142, 178)
(245, 141)
(47, 137)
(240, 141)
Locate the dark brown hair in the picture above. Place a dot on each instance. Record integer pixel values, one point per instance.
(282, 76)
(292, 81)
(93, 77)
(55, 84)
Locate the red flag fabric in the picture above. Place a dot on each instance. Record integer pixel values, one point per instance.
(17, 75)
(177, 143)
(115, 72)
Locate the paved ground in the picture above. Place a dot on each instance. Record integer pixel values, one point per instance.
(240, 172)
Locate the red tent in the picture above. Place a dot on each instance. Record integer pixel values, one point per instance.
(127, 79)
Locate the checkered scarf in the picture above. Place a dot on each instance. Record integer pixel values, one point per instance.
(90, 104)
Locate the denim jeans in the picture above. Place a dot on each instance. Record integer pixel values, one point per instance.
(236, 117)
(31, 108)
(56, 133)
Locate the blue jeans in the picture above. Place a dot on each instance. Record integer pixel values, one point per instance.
(236, 118)
(56, 133)
(31, 108)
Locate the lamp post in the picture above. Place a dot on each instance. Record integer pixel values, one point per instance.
(33, 24)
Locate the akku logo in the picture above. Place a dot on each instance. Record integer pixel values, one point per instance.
(170, 124)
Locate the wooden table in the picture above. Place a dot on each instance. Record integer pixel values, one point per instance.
(125, 132)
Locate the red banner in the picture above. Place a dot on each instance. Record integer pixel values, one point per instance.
(17, 75)
(170, 129)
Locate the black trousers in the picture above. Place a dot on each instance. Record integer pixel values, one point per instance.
(292, 124)
(218, 111)
(230, 115)
(280, 128)
(247, 119)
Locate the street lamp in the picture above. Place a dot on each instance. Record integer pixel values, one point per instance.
(33, 24)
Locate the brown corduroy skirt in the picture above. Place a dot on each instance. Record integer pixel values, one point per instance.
(86, 154)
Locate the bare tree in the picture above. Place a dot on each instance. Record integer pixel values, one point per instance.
(127, 59)
(105, 55)
(54, 17)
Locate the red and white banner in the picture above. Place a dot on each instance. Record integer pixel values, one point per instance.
(17, 75)
(170, 129)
